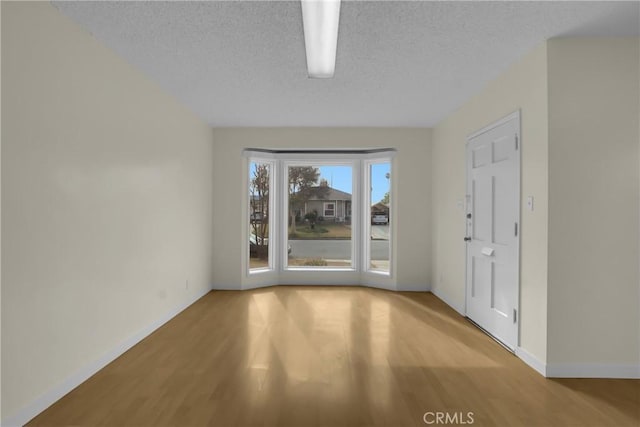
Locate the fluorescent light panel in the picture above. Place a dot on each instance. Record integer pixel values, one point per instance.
(320, 19)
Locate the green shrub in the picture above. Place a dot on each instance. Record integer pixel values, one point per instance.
(311, 217)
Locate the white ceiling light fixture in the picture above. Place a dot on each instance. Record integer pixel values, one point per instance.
(320, 20)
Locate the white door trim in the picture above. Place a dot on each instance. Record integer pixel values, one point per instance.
(505, 119)
(515, 115)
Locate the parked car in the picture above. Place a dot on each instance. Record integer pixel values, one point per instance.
(379, 219)
(253, 245)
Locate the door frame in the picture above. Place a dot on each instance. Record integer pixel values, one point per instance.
(517, 116)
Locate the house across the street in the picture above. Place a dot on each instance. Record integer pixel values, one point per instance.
(329, 203)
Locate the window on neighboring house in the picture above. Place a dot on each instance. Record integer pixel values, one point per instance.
(329, 209)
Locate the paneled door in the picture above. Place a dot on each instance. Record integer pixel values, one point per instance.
(493, 221)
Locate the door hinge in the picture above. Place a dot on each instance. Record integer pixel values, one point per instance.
(516, 141)
(516, 229)
(515, 315)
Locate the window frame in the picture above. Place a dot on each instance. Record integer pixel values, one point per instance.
(271, 262)
(367, 215)
(360, 162)
(317, 159)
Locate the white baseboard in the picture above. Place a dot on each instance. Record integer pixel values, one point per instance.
(532, 361)
(593, 370)
(412, 288)
(248, 287)
(54, 394)
(579, 370)
(386, 287)
(220, 287)
(449, 301)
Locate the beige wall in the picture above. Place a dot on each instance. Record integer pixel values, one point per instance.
(523, 86)
(108, 193)
(593, 201)
(106, 196)
(411, 187)
(579, 100)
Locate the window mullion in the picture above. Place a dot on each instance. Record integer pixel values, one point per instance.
(283, 214)
(356, 208)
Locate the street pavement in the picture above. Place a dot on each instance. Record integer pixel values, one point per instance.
(335, 249)
(380, 232)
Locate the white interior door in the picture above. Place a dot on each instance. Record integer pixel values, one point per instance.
(493, 216)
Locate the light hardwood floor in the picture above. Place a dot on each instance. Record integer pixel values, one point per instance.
(331, 356)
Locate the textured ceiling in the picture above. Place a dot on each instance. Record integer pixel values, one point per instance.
(241, 63)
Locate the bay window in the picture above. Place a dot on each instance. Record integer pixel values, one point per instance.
(319, 211)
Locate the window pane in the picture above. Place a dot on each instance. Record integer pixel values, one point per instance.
(259, 181)
(380, 177)
(320, 216)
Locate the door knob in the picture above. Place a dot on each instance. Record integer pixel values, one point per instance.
(467, 239)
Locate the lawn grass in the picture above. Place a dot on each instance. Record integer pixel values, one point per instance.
(317, 262)
(301, 262)
(321, 231)
(258, 263)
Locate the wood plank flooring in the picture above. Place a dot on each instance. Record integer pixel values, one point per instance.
(331, 356)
